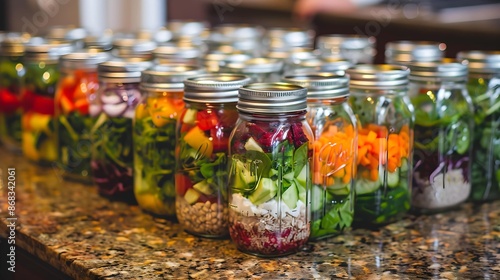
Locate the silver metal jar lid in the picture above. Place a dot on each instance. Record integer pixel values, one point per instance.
(163, 77)
(255, 65)
(233, 32)
(438, 71)
(130, 47)
(104, 42)
(173, 51)
(66, 32)
(186, 28)
(214, 88)
(82, 60)
(487, 62)
(321, 85)
(324, 64)
(39, 49)
(272, 98)
(340, 41)
(378, 77)
(402, 52)
(13, 44)
(286, 38)
(292, 54)
(122, 70)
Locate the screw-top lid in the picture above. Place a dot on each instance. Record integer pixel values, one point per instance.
(122, 70)
(487, 62)
(163, 77)
(234, 32)
(187, 28)
(378, 77)
(403, 52)
(214, 88)
(286, 38)
(272, 98)
(255, 65)
(292, 54)
(324, 64)
(133, 48)
(39, 49)
(335, 42)
(214, 61)
(321, 85)
(438, 71)
(14, 44)
(103, 43)
(175, 52)
(82, 60)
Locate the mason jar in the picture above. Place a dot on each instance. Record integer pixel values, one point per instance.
(77, 85)
(215, 61)
(269, 170)
(385, 143)
(259, 69)
(319, 64)
(174, 53)
(288, 38)
(335, 146)
(12, 73)
(40, 81)
(484, 71)
(202, 151)
(355, 48)
(404, 52)
(111, 136)
(242, 37)
(154, 130)
(443, 135)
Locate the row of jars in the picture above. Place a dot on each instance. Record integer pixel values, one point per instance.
(383, 141)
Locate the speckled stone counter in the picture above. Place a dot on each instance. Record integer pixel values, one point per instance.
(69, 226)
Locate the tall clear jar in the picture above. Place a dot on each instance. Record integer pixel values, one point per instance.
(154, 132)
(259, 69)
(385, 143)
(335, 146)
(405, 52)
(39, 143)
(202, 150)
(269, 170)
(443, 135)
(12, 73)
(77, 85)
(482, 84)
(114, 107)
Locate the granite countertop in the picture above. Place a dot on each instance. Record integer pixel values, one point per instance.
(69, 226)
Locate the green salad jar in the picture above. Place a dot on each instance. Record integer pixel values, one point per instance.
(482, 84)
(270, 170)
(12, 73)
(114, 105)
(335, 146)
(39, 143)
(201, 152)
(385, 143)
(443, 135)
(154, 136)
(77, 85)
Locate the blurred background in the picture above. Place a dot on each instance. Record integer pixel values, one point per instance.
(461, 24)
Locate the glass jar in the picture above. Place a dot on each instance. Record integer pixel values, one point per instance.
(111, 136)
(315, 65)
(259, 69)
(214, 62)
(154, 132)
(77, 85)
(173, 53)
(12, 73)
(443, 135)
(335, 146)
(484, 71)
(404, 52)
(42, 74)
(288, 38)
(355, 48)
(385, 143)
(269, 173)
(241, 37)
(201, 152)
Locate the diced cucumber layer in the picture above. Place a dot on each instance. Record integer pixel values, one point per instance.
(266, 189)
(204, 187)
(290, 197)
(244, 179)
(364, 186)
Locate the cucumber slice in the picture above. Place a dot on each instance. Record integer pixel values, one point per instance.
(290, 197)
(203, 187)
(364, 186)
(302, 191)
(302, 177)
(404, 165)
(190, 116)
(316, 198)
(244, 180)
(252, 145)
(393, 178)
(192, 196)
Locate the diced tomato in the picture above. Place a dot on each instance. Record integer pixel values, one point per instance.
(182, 184)
(9, 102)
(206, 119)
(27, 100)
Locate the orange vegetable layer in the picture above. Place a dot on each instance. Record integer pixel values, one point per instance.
(334, 156)
(376, 146)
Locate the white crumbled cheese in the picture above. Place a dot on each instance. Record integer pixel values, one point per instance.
(244, 206)
(435, 195)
